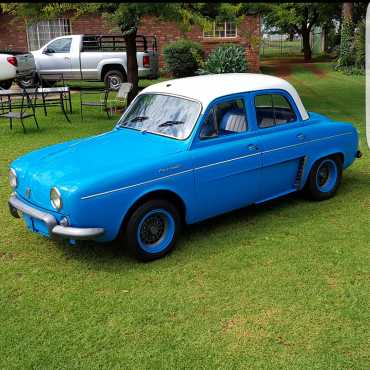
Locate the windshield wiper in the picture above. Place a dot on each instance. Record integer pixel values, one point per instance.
(171, 123)
(139, 119)
(135, 119)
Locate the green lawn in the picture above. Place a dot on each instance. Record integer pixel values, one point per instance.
(283, 285)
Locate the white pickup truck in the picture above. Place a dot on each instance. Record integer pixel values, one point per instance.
(95, 58)
(15, 65)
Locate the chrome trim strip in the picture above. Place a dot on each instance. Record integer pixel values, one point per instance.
(208, 165)
(226, 161)
(305, 142)
(77, 233)
(133, 186)
(53, 228)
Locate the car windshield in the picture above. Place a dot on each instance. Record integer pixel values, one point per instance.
(162, 114)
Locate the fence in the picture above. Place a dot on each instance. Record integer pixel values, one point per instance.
(280, 45)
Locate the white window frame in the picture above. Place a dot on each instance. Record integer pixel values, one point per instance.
(208, 36)
(40, 33)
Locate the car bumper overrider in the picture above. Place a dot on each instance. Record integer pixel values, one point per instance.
(16, 206)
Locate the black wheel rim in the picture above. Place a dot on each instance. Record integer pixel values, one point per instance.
(153, 229)
(323, 175)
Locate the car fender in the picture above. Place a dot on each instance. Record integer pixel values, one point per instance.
(7, 70)
(185, 193)
(108, 210)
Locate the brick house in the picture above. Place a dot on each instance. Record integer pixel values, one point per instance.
(17, 35)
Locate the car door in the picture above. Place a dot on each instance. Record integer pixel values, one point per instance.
(56, 57)
(227, 159)
(282, 142)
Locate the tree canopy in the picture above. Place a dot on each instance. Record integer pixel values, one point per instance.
(301, 18)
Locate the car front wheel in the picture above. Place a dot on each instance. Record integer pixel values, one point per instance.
(325, 178)
(152, 229)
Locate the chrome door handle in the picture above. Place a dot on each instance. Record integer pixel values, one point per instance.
(301, 136)
(252, 147)
(67, 58)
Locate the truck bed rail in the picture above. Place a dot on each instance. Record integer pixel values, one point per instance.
(109, 43)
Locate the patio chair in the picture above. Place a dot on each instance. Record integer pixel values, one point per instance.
(102, 103)
(25, 106)
(122, 94)
(2, 110)
(52, 87)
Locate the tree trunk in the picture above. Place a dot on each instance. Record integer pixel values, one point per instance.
(306, 45)
(132, 68)
(325, 30)
(291, 35)
(347, 10)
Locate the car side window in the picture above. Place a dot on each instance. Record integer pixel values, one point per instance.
(60, 46)
(272, 110)
(224, 119)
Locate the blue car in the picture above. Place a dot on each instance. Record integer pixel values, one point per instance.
(185, 150)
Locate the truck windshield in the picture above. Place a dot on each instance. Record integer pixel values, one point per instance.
(162, 114)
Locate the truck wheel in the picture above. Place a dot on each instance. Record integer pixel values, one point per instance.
(26, 83)
(6, 84)
(325, 178)
(113, 79)
(152, 229)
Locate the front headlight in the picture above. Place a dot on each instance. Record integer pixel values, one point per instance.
(13, 180)
(55, 198)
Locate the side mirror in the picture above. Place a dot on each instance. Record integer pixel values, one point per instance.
(48, 51)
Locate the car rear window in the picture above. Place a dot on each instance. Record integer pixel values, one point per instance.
(272, 110)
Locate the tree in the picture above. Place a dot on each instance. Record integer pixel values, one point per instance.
(301, 17)
(347, 10)
(346, 57)
(128, 16)
(359, 11)
(352, 40)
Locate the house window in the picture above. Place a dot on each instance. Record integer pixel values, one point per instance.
(38, 34)
(225, 30)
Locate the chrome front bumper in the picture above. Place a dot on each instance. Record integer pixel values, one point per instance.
(55, 230)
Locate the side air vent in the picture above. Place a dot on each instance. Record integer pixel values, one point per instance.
(300, 172)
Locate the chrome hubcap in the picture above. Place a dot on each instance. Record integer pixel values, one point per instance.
(115, 82)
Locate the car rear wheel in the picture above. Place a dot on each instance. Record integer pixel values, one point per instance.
(6, 84)
(325, 178)
(152, 229)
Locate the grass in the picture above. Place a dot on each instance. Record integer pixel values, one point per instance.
(283, 285)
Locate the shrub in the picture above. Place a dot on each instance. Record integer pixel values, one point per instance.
(226, 58)
(183, 57)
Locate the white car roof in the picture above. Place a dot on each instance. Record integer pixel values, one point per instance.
(209, 87)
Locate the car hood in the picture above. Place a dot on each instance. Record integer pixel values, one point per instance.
(72, 164)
